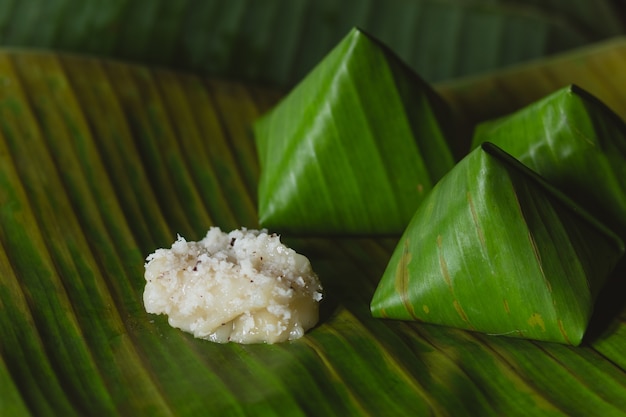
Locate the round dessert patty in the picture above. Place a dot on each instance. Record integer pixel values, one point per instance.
(244, 286)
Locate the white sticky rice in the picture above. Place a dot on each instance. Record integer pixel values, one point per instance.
(244, 286)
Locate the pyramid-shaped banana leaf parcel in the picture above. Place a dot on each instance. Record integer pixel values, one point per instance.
(354, 147)
(495, 249)
(577, 143)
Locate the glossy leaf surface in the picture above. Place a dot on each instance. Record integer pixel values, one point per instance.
(103, 162)
(354, 148)
(493, 249)
(576, 143)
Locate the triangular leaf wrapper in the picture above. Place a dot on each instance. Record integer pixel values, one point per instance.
(495, 249)
(576, 142)
(354, 148)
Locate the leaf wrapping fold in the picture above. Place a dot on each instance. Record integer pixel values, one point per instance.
(354, 147)
(493, 248)
(576, 142)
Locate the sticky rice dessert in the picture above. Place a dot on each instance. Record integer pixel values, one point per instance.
(244, 286)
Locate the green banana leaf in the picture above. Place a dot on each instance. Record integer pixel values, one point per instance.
(576, 143)
(493, 248)
(315, 148)
(279, 41)
(102, 162)
(596, 69)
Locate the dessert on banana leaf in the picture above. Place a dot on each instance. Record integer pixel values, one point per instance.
(354, 147)
(577, 143)
(494, 248)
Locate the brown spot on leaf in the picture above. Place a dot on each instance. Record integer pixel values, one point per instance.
(402, 279)
(562, 330)
(479, 230)
(536, 320)
(459, 309)
(443, 265)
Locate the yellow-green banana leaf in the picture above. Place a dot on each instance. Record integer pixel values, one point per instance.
(102, 162)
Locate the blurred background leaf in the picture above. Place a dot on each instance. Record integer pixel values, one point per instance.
(278, 41)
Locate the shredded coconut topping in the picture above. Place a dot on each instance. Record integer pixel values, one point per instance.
(244, 286)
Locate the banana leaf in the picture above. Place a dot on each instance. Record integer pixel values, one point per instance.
(575, 142)
(279, 41)
(342, 154)
(596, 69)
(494, 249)
(101, 162)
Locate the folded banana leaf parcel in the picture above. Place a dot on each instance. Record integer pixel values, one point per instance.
(354, 147)
(495, 248)
(576, 143)
(520, 237)
(498, 243)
